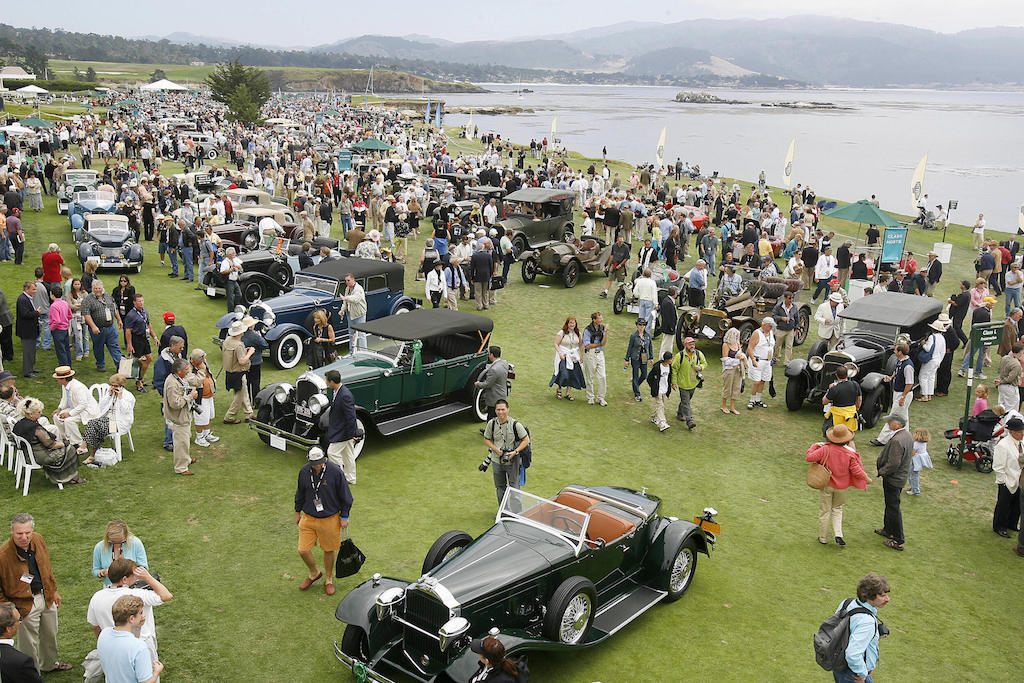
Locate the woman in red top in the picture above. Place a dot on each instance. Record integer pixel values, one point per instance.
(52, 261)
(844, 463)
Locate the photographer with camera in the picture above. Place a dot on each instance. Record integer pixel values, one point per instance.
(179, 403)
(506, 440)
(687, 377)
(343, 432)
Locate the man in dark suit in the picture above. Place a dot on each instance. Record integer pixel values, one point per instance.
(27, 328)
(15, 666)
(934, 270)
(481, 268)
(894, 468)
(342, 429)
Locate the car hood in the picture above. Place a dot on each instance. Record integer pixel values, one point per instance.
(297, 298)
(851, 348)
(108, 238)
(501, 558)
(355, 368)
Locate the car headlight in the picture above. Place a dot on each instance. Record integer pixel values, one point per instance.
(317, 403)
(269, 318)
(816, 363)
(240, 310)
(851, 369)
(282, 393)
(387, 600)
(452, 630)
(903, 338)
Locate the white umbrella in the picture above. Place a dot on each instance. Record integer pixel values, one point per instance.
(15, 129)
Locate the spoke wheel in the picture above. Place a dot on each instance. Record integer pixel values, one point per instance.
(570, 611)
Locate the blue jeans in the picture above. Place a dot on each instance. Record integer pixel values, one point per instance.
(168, 439)
(107, 337)
(173, 253)
(915, 481)
(846, 676)
(646, 312)
(61, 344)
(45, 340)
(356, 340)
(233, 293)
(639, 375)
(346, 224)
(1012, 299)
(969, 355)
(822, 287)
(186, 259)
(5, 249)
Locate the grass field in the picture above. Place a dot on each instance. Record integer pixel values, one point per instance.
(224, 540)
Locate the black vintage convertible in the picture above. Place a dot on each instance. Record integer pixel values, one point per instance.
(551, 574)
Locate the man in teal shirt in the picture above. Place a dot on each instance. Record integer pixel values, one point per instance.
(862, 648)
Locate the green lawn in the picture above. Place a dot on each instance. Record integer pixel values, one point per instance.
(224, 540)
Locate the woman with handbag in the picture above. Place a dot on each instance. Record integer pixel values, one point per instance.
(322, 348)
(835, 466)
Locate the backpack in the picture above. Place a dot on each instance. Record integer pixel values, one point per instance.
(834, 635)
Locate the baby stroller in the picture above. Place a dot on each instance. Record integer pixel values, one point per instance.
(981, 430)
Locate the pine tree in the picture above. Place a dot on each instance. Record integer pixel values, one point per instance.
(243, 89)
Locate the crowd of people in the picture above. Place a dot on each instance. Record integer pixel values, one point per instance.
(466, 256)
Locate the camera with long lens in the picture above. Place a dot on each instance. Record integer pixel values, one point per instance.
(485, 464)
(700, 380)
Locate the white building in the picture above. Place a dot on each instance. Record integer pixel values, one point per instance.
(16, 73)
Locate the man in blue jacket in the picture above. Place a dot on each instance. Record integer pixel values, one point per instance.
(342, 429)
(322, 505)
(865, 630)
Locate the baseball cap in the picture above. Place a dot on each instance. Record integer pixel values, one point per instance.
(316, 455)
(168, 317)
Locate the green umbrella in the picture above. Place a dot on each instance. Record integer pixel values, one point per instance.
(863, 211)
(36, 122)
(127, 103)
(372, 144)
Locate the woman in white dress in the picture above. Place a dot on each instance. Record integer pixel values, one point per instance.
(568, 373)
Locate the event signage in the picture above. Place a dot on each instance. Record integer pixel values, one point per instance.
(892, 245)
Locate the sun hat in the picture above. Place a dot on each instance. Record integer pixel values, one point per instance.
(249, 321)
(836, 296)
(937, 325)
(1015, 424)
(839, 434)
(63, 372)
(237, 328)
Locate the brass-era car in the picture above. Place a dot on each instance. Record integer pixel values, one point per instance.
(555, 574)
(537, 217)
(565, 260)
(744, 311)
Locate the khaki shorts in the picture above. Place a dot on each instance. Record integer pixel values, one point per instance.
(619, 274)
(326, 530)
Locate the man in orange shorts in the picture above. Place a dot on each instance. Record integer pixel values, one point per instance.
(322, 504)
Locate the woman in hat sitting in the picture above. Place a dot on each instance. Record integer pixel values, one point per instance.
(59, 461)
(117, 414)
(845, 469)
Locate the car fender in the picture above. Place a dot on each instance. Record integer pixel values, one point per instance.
(84, 252)
(278, 331)
(797, 367)
(257, 275)
(265, 394)
(567, 259)
(402, 302)
(225, 320)
(667, 540)
(135, 253)
(359, 606)
(529, 253)
(871, 382)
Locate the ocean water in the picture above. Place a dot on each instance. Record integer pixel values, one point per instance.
(974, 139)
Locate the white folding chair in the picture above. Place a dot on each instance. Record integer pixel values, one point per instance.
(7, 446)
(101, 392)
(26, 463)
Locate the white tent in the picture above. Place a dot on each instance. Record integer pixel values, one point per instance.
(31, 91)
(15, 129)
(162, 84)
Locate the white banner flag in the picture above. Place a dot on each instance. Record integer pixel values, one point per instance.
(787, 168)
(917, 184)
(659, 154)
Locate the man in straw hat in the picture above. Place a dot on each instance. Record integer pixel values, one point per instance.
(934, 348)
(76, 408)
(845, 470)
(236, 362)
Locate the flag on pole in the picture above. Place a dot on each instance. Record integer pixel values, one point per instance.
(469, 126)
(659, 154)
(787, 168)
(438, 120)
(426, 117)
(1020, 220)
(554, 126)
(917, 182)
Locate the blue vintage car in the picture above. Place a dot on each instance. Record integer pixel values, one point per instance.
(106, 239)
(84, 203)
(286, 321)
(74, 180)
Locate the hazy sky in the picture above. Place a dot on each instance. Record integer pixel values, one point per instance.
(314, 22)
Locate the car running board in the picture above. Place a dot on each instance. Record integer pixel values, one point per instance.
(615, 614)
(400, 424)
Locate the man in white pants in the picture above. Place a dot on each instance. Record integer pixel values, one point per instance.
(342, 431)
(595, 335)
(1010, 373)
(760, 350)
(77, 406)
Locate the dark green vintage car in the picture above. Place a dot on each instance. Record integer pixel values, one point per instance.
(551, 574)
(416, 367)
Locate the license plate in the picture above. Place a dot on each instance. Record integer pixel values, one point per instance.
(114, 259)
(303, 411)
(211, 291)
(632, 308)
(705, 525)
(279, 443)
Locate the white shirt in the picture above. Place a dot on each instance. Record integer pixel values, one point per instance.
(645, 289)
(227, 264)
(666, 375)
(103, 599)
(490, 213)
(824, 267)
(1005, 463)
(436, 282)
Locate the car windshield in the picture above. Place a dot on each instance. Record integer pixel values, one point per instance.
(101, 228)
(876, 329)
(558, 520)
(394, 351)
(94, 196)
(320, 284)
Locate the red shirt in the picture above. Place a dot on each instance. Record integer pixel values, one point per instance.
(52, 261)
(842, 461)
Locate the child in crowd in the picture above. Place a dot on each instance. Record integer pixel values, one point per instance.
(920, 460)
(980, 400)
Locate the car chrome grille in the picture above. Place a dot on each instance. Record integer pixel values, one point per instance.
(110, 251)
(304, 390)
(428, 613)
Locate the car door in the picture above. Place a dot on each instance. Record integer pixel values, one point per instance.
(426, 384)
(377, 300)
